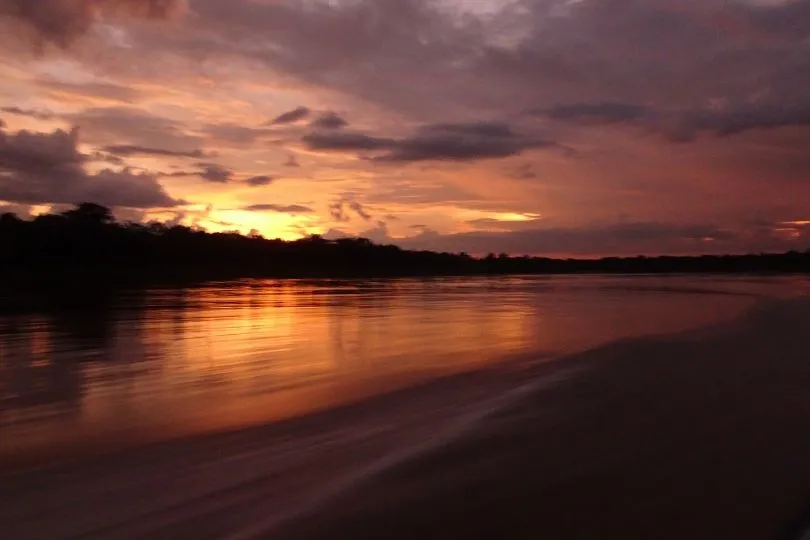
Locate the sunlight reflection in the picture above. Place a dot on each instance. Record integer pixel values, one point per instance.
(169, 362)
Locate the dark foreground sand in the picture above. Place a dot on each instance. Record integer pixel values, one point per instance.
(700, 436)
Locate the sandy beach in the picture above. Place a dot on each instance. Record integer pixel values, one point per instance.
(701, 435)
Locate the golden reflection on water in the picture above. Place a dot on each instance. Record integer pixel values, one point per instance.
(177, 361)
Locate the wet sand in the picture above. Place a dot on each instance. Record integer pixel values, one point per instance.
(701, 435)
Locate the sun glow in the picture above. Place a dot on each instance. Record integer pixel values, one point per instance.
(268, 224)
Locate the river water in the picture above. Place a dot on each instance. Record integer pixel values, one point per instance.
(163, 363)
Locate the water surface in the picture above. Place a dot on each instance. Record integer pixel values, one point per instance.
(168, 362)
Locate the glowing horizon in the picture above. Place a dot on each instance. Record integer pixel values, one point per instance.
(441, 124)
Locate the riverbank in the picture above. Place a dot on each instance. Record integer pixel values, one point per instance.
(701, 435)
(88, 288)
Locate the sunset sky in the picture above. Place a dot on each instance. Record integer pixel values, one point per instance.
(562, 127)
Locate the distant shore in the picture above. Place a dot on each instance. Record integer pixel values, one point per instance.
(91, 287)
(701, 436)
(53, 260)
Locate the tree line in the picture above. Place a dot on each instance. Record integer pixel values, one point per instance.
(88, 242)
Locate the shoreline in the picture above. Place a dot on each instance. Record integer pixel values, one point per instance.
(41, 292)
(397, 396)
(700, 435)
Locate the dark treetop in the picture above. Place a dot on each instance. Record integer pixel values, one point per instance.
(87, 242)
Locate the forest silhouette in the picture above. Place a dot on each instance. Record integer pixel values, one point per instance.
(88, 244)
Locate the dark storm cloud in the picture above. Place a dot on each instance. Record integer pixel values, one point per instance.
(261, 180)
(329, 120)
(127, 150)
(291, 117)
(39, 168)
(280, 208)
(433, 142)
(60, 22)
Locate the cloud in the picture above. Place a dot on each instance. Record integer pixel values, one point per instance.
(461, 142)
(106, 158)
(36, 114)
(600, 76)
(684, 125)
(213, 172)
(532, 54)
(733, 120)
(210, 172)
(505, 225)
(128, 150)
(524, 172)
(329, 120)
(133, 126)
(262, 180)
(339, 210)
(422, 192)
(290, 117)
(235, 134)
(20, 210)
(292, 161)
(359, 210)
(603, 112)
(89, 91)
(433, 142)
(280, 208)
(33, 151)
(378, 234)
(60, 22)
(342, 141)
(594, 240)
(38, 168)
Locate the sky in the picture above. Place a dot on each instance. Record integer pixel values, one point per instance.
(546, 127)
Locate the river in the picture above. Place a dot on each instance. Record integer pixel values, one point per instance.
(162, 363)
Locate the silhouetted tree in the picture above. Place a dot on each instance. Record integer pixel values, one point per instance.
(90, 214)
(86, 244)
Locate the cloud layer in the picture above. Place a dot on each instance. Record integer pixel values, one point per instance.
(61, 22)
(645, 116)
(37, 168)
(435, 142)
